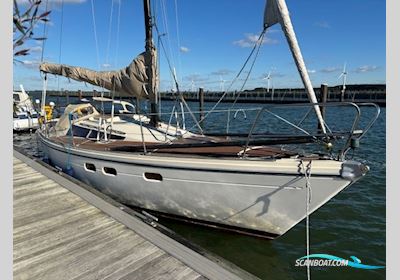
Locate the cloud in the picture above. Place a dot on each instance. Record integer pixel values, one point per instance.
(184, 49)
(366, 68)
(250, 40)
(31, 64)
(48, 23)
(312, 71)
(39, 25)
(273, 75)
(195, 78)
(106, 65)
(52, 5)
(330, 69)
(24, 2)
(222, 72)
(35, 49)
(68, 1)
(322, 24)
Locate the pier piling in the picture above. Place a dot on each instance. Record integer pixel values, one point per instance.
(201, 103)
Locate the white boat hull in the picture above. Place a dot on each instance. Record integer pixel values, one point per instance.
(25, 124)
(253, 198)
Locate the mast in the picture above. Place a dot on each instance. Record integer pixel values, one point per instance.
(150, 62)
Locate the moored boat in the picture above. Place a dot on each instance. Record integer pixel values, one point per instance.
(247, 182)
(25, 117)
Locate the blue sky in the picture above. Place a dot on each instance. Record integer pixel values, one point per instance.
(208, 41)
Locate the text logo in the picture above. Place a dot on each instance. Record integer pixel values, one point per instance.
(330, 260)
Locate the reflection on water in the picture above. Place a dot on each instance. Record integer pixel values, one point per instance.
(351, 224)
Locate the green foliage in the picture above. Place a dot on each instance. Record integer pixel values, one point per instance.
(25, 18)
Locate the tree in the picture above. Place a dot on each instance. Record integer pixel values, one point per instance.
(25, 20)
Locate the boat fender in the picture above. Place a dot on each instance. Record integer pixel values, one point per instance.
(355, 143)
(353, 170)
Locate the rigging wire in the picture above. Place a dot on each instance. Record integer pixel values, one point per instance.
(166, 29)
(244, 83)
(116, 51)
(113, 88)
(178, 39)
(97, 52)
(307, 175)
(256, 45)
(118, 33)
(44, 33)
(60, 43)
(95, 35)
(158, 71)
(43, 101)
(109, 32)
(176, 83)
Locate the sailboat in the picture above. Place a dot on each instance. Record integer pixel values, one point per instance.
(229, 181)
(25, 117)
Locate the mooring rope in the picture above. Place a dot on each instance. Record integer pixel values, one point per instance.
(307, 175)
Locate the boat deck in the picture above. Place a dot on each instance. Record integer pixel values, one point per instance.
(64, 231)
(185, 147)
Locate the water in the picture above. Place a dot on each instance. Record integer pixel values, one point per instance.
(351, 224)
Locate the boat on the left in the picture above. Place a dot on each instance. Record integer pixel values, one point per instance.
(25, 116)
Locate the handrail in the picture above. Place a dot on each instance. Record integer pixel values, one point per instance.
(240, 110)
(331, 104)
(368, 126)
(317, 138)
(373, 120)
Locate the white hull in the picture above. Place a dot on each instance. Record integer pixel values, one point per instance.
(25, 124)
(257, 197)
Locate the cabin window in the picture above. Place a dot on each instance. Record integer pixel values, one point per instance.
(153, 176)
(130, 108)
(110, 171)
(118, 108)
(90, 167)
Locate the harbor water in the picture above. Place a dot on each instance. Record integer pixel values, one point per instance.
(351, 224)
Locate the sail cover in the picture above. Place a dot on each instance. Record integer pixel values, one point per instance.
(131, 80)
(276, 11)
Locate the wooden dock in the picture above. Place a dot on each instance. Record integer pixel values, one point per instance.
(65, 231)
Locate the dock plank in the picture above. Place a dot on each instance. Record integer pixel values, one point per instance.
(59, 235)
